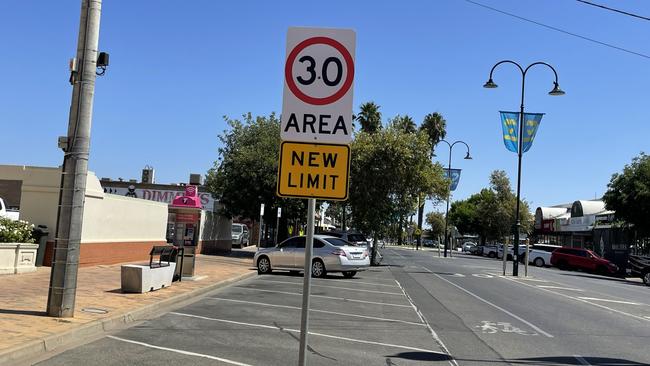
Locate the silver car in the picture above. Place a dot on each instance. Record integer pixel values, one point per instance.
(331, 254)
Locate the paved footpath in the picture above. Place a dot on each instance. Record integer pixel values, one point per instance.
(100, 305)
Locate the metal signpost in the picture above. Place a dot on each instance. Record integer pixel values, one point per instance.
(316, 128)
(259, 236)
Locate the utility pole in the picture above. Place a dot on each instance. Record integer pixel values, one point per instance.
(63, 277)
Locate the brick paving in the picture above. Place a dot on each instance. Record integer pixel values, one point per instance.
(23, 297)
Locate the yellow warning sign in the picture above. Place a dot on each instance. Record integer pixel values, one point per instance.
(310, 170)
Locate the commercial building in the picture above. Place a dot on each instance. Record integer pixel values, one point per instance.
(116, 227)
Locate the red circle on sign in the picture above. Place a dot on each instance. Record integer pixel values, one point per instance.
(313, 100)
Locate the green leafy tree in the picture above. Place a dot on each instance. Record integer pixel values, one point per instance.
(628, 193)
(435, 126)
(436, 220)
(369, 117)
(404, 124)
(245, 174)
(389, 169)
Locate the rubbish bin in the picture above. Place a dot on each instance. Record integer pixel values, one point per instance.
(40, 234)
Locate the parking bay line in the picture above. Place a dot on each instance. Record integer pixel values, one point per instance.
(538, 329)
(188, 353)
(560, 288)
(608, 300)
(581, 300)
(320, 311)
(310, 333)
(337, 287)
(324, 297)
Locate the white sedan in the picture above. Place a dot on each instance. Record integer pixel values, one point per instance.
(331, 254)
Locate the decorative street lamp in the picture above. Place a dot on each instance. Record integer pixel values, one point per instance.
(555, 92)
(467, 157)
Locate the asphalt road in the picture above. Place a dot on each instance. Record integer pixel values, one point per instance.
(416, 309)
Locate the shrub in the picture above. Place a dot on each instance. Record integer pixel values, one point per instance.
(18, 231)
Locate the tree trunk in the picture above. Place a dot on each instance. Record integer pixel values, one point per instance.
(399, 231)
(373, 254)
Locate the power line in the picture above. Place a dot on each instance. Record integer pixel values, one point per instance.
(560, 30)
(614, 10)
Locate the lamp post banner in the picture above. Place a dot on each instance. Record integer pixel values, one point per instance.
(509, 123)
(454, 175)
(531, 124)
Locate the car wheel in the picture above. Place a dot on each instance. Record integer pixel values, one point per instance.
(646, 278)
(491, 255)
(263, 265)
(539, 262)
(349, 274)
(562, 265)
(601, 270)
(318, 269)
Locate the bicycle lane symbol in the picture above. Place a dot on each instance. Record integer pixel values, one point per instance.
(489, 327)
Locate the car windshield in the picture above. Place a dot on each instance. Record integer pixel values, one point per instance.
(237, 229)
(356, 237)
(338, 242)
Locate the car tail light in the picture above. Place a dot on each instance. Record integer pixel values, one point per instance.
(340, 252)
(365, 254)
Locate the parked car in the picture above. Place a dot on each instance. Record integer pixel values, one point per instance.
(584, 259)
(240, 237)
(354, 238)
(521, 250)
(331, 254)
(469, 246)
(490, 250)
(639, 266)
(540, 254)
(6, 212)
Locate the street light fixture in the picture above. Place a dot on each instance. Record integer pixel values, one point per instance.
(555, 92)
(467, 157)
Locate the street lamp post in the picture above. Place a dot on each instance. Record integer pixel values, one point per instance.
(555, 92)
(468, 157)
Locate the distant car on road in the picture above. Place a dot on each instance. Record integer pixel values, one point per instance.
(240, 236)
(6, 212)
(331, 254)
(639, 266)
(584, 259)
(540, 254)
(490, 250)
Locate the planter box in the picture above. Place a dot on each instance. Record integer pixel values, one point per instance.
(141, 278)
(17, 257)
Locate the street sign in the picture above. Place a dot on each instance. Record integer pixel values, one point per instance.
(313, 170)
(318, 76)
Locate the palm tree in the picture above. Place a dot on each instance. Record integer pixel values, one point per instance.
(369, 117)
(434, 125)
(404, 123)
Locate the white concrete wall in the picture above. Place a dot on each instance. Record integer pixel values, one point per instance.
(107, 218)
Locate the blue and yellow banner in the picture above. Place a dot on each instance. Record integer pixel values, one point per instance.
(454, 176)
(531, 124)
(510, 126)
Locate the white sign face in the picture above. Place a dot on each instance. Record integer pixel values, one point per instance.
(318, 78)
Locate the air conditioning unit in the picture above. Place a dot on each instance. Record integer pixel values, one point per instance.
(196, 179)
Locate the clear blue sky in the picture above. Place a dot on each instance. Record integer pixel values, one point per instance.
(177, 67)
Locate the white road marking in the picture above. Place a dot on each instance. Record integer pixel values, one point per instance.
(490, 327)
(582, 300)
(608, 300)
(482, 275)
(401, 256)
(178, 351)
(324, 297)
(318, 311)
(435, 336)
(353, 281)
(538, 329)
(337, 287)
(532, 279)
(560, 288)
(581, 360)
(458, 275)
(311, 333)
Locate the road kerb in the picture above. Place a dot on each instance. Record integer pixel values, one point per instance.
(78, 335)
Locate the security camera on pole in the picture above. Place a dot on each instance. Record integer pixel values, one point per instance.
(316, 130)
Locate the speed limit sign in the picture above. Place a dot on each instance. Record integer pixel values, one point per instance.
(318, 78)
